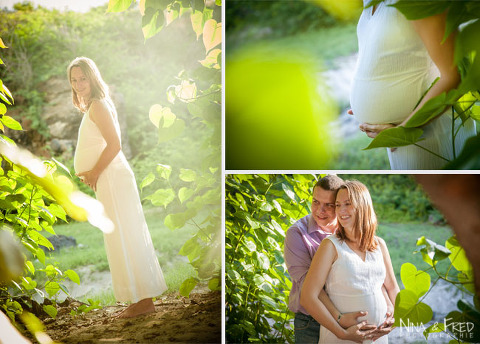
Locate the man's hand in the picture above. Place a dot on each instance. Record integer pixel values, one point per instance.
(350, 319)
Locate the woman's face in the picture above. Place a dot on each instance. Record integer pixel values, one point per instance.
(344, 210)
(80, 83)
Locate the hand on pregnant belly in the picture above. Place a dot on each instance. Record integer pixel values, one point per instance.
(372, 130)
(90, 178)
(384, 329)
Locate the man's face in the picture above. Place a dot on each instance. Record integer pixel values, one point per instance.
(323, 207)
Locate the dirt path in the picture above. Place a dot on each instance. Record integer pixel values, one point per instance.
(177, 320)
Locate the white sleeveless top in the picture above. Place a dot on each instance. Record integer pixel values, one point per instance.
(356, 285)
(393, 69)
(90, 143)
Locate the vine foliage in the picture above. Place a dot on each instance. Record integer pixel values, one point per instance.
(197, 199)
(259, 210)
(450, 264)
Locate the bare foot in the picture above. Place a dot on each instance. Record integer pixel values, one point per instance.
(144, 306)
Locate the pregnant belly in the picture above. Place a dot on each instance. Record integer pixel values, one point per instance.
(86, 158)
(374, 304)
(376, 102)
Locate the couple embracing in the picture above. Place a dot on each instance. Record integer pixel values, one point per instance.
(343, 284)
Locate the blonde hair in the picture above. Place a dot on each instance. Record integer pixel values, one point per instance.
(365, 223)
(98, 87)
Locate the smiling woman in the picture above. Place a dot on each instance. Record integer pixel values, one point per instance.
(355, 267)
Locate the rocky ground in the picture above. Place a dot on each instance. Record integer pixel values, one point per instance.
(196, 319)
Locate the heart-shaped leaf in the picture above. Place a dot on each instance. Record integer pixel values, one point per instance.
(212, 34)
(417, 281)
(409, 312)
(396, 137)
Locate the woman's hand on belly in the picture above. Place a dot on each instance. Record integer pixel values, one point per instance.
(90, 178)
(372, 130)
(383, 329)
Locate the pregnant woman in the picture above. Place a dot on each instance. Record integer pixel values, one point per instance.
(100, 163)
(397, 62)
(352, 265)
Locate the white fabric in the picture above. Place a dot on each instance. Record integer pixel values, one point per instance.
(136, 273)
(356, 285)
(393, 71)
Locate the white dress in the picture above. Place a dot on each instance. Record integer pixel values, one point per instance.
(356, 285)
(136, 273)
(393, 71)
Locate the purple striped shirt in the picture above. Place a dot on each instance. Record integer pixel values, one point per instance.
(301, 243)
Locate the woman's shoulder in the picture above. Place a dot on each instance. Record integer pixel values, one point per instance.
(100, 107)
(381, 244)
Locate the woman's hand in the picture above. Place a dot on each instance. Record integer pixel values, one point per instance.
(384, 328)
(359, 332)
(350, 319)
(90, 178)
(372, 130)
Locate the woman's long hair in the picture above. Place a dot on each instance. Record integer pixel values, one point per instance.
(98, 87)
(365, 223)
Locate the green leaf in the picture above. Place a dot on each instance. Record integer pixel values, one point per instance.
(164, 171)
(57, 211)
(52, 288)
(118, 5)
(11, 123)
(263, 261)
(5, 99)
(396, 137)
(147, 180)
(40, 255)
(65, 168)
(187, 175)
(198, 19)
(212, 34)
(197, 5)
(458, 257)
(152, 22)
(185, 193)
(408, 312)
(6, 91)
(277, 206)
(3, 109)
(157, 112)
(469, 158)
(417, 281)
(162, 197)
(30, 267)
(434, 251)
(437, 327)
(214, 284)
(171, 132)
(187, 286)
(414, 10)
(50, 310)
(432, 108)
(73, 276)
(288, 192)
(174, 221)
